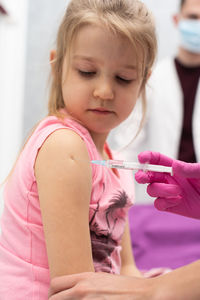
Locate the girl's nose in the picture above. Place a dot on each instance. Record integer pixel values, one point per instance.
(104, 90)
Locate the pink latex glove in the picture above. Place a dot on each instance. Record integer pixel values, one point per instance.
(179, 193)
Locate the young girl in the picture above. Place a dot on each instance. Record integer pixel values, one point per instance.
(63, 215)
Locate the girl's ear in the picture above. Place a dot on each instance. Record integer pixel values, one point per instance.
(149, 74)
(52, 58)
(176, 19)
(145, 80)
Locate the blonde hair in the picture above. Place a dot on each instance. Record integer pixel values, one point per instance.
(129, 18)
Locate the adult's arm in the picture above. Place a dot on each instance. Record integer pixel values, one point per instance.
(177, 193)
(181, 284)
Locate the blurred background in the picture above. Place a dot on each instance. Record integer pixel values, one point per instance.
(27, 33)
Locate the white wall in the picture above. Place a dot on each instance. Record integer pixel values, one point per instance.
(167, 34)
(12, 62)
(44, 18)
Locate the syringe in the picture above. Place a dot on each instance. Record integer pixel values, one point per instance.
(129, 165)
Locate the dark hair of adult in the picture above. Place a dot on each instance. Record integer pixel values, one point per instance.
(182, 3)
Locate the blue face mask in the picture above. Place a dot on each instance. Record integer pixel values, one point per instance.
(190, 35)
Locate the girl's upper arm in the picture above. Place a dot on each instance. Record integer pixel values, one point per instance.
(64, 181)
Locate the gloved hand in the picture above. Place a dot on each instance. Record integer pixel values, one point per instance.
(179, 193)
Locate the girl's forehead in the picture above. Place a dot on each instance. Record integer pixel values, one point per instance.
(99, 33)
(97, 42)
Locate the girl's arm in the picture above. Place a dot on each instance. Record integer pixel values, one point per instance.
(63, 176)
(128, 264)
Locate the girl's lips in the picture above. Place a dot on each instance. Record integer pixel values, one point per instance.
(101, 111)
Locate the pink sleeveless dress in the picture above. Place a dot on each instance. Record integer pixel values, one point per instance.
(24, 271)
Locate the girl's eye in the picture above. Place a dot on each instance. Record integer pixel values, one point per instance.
(86, 73)
(123, 80)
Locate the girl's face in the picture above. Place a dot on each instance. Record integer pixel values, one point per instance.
(100, 84)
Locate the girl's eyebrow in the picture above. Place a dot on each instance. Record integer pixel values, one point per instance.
(88, 58)
(91, 59)
(131, 67)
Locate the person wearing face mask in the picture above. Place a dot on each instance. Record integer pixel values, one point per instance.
(189, 30)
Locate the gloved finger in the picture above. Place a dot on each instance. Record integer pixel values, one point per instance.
(183, 169)
(163, 190)
(166, 203)
(149, 177)
(154, 158)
